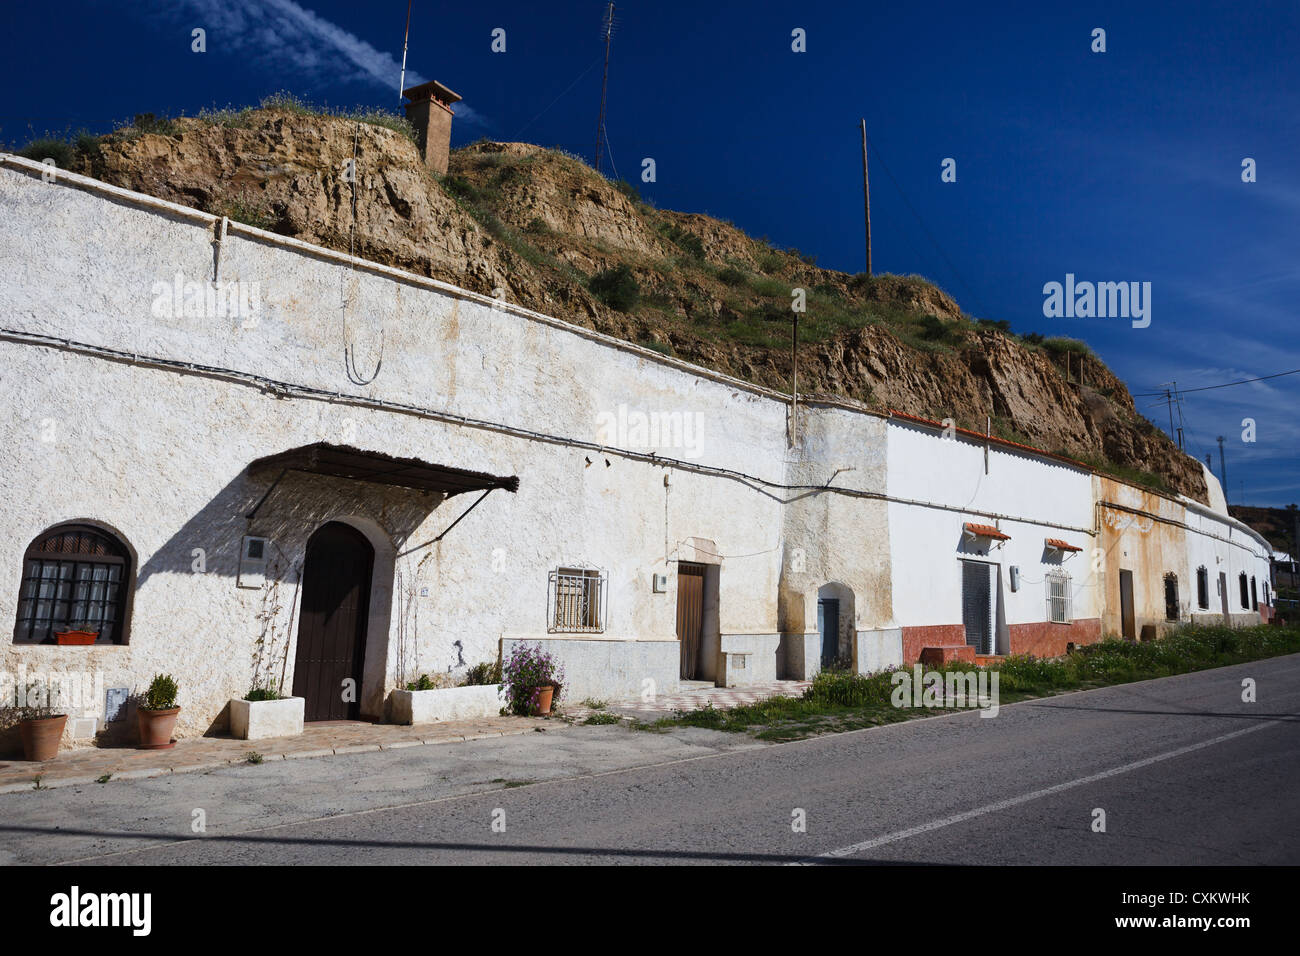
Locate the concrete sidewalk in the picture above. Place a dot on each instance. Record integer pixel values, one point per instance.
(96, 764)
(688, 699)
(93, 764)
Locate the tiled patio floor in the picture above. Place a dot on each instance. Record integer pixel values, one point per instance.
(87, 765)
(691, 699)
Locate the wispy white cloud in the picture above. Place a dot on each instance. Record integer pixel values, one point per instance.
(303, 45)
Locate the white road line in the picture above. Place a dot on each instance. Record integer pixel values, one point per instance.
(1024, 798)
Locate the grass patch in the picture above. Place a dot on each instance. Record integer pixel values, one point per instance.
(840, 701)
(598, 719)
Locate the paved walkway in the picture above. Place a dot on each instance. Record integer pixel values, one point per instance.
(91, 764)
(693, 698)
(94, 764)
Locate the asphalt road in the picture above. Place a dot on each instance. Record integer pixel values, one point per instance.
(1185, 772)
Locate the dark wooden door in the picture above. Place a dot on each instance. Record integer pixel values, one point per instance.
(828, 626)
(1128, 623)
(977, 605)
(332, 623)
(690, 614)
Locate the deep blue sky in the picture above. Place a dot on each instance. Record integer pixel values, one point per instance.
(1119, 166)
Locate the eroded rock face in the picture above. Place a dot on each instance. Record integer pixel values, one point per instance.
(536, 224)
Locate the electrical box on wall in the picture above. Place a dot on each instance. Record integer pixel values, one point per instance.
(1015, 578)
(252, 562)
(661, 584)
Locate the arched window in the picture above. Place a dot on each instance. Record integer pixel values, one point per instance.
(1245, 589)
(1171, 596)
(1202, 588)
(75, 577)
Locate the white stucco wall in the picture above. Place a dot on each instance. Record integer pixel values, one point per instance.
(1037, 497)
(160, 456)
(859, 506)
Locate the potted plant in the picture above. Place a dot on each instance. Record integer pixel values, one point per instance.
(41, 730)
(157, 712)
(75, 638)
(532, 680)
(434, 697)
(265, 712)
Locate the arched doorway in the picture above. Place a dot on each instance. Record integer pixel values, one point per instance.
(332, 622)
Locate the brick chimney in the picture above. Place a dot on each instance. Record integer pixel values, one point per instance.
(430, 113)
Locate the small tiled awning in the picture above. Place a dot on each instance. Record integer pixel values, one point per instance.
(342, 461)
(986, 531)
(1056, 544)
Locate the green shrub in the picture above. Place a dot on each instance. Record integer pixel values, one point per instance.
(161, 694)
(488, 672)
(263, 693)
(616, 287)
(733, 276)
(48, 147)
(628, 190)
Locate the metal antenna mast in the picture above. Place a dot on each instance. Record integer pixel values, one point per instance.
(607, 28)
(401, 82)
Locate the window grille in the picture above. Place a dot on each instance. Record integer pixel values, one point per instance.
(577, 601)
(1171, 597)
(1059, 610)
(74, 578)
(1202, 589)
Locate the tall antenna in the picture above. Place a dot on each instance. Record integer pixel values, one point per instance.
(401, 82)
(607, 30)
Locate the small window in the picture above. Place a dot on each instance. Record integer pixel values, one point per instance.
(1254, 595)
(1171, 597)
(1245, 589)
(1059, 610)
(1202, 589)
(577, 601)
(75, 578)
(1265, 586)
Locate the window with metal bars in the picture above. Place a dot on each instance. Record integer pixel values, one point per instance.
(1059, 610)
(576, 601)
(75, 578)
(1245, 590)
(1202, 588)
(1172, 611)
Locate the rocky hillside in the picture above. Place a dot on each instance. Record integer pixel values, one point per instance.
(556, 237)
(1278, 525)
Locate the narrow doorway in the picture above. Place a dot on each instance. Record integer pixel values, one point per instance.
(1128, 624)
(333, 622)
(690, 615)
(977, 605)
(828, 626)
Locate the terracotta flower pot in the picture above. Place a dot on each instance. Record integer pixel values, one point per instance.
(75, 638)
(41, 737)
(156, 728)
(544, 695)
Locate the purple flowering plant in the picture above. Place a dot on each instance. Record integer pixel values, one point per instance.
(525, 673)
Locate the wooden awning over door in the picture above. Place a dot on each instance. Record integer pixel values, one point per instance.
(344, 461)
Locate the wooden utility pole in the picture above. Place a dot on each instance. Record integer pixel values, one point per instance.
(608, 29)
(866, 193)
(1223, 470)
(794, 388)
